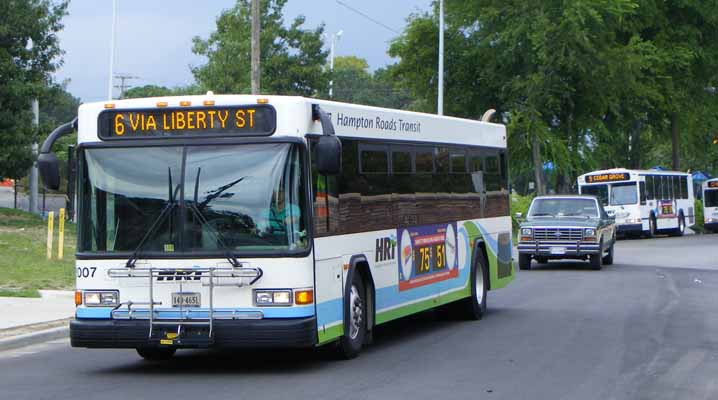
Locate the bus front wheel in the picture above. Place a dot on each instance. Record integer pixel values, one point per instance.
(156, 353)
(351, 342)
(474, 307)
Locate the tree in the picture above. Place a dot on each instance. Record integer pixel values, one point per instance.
(292, 58)
(30, 52)
(160, 91)
(353, 83)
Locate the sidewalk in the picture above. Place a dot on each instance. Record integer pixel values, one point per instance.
(29, 321)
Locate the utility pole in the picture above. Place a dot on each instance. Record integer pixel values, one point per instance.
(123, 86)
(335, 37)
(256, 28)
(112, 50)
(440, 100)
(32, 207)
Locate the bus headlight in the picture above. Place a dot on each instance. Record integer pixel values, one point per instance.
(273, 297)
(101, 298)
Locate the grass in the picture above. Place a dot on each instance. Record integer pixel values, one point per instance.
(24, 267)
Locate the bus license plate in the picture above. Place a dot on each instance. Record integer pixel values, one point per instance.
(185, 300)
(559, 251)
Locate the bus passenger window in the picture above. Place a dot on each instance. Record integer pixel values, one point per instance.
(642, 192)
(424, 162)
(400, 162)
(374, 162)
(650, 192)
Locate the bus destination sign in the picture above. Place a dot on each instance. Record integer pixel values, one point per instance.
(713, 184)
(255, 120)
(610, 177)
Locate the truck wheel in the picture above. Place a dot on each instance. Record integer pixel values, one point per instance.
(608, 258)
(154, 353)
(524, 261)
(473, 308)
(351, 342)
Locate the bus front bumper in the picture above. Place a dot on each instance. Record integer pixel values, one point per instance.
(558, 249)
(711, 226)
(629, 228)
(262, 333)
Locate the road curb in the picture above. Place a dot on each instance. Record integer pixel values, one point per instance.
(29, 339)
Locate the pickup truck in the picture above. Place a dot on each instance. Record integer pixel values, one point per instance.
(566, 227)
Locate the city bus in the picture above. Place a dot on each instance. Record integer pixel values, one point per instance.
(643, 202)
(246, 221)
(710, 205)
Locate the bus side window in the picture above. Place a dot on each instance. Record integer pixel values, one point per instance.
(650, 193)
(642, 192)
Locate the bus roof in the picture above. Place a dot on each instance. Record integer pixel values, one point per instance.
(294, 119)
(633, 172)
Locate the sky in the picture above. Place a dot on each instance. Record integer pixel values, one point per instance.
(154, 37)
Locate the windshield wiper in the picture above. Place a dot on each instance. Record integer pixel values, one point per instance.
(163, 214)
(542, 215)
(204, 223)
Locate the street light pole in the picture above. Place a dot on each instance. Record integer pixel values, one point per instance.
(112, 50)
(256, 29)
(440, 100)
(335, 37)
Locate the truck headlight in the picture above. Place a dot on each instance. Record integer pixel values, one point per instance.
(526, 231)
(589, 234)
(101, 298)
(273, 297)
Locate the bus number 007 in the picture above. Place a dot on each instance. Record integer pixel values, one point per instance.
(85, 272)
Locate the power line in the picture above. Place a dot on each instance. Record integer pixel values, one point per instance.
(341, 3)
(123, 86)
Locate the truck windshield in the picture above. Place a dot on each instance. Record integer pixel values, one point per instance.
(249, 198)
(623, 194)
(563, 207)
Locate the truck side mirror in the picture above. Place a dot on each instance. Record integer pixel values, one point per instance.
(329, 155)
(49, 168)
(519, 215)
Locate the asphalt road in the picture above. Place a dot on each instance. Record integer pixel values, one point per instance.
(644, 328)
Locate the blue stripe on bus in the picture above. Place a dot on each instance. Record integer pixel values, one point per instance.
(268, 312)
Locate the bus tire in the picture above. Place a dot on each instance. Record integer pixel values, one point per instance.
(681, 230)
(474, 307)
(608, 258)
(596, 260)
(154, 353)
(525, 262)
(651, 227)
(351, 342)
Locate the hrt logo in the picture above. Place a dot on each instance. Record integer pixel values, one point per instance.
(385, 249)
(176, 276)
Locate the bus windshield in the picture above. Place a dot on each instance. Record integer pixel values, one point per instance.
(711, 198)
(600, 191)
(192, 199)
(623, 194)
(563, 207)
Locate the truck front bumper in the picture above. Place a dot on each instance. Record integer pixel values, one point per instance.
(559, 249)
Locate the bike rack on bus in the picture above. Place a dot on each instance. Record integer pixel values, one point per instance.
(209, 276)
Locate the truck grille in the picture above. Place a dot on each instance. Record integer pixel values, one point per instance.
(558, 234)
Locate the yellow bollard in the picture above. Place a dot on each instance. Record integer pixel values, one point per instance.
(61, 234)
(50, 218)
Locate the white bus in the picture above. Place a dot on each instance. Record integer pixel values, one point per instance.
(710, 204)
(644, 202)
(238, 221)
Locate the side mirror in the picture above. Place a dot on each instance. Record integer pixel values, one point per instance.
(329, 155)
(518, 215)
(49, 168)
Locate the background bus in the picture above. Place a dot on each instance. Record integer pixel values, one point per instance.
(643, 201)
(710, 204)
(278, 221)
